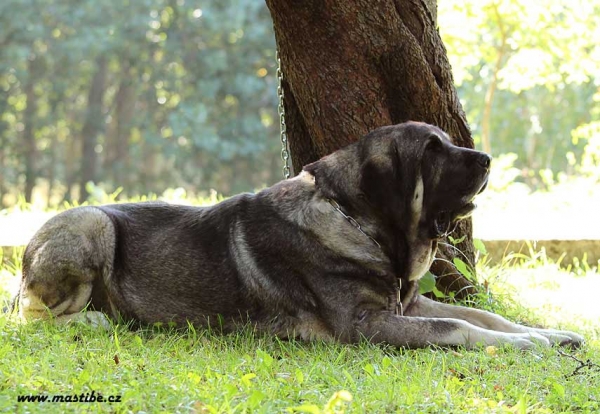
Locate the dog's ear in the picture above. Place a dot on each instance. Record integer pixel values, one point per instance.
(387, 173)
(432, 142)
(336, 174)
(392, 161)
(376, 181)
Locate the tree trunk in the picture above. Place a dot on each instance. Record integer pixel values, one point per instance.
(352, 66)
(486, 119)
(2, 168)
(57, 97)
(73, 151)
(3, 148)
(117, 149)
(30, 149)
(94, 125)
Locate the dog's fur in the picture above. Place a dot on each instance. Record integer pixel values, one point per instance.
(284, 259)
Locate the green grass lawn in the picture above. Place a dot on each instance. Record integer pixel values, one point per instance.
(158, 370)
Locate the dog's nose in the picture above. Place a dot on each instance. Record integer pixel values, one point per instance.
(484, 160)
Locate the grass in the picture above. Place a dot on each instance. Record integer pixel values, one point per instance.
(162, 370)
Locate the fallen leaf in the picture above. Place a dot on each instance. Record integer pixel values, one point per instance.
(491, 350)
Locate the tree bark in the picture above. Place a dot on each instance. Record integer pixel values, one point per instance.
(354, 65)
(56, 100)
(94, 125)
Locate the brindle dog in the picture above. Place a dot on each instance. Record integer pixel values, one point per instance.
(335, 253)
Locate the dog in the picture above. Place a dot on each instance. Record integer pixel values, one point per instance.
(335, 253)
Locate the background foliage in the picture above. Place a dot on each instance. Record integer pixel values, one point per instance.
(156, 94)
(170, 93)
(528, 74)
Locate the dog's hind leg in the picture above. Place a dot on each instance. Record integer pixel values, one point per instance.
(91, 318)
(67, 257)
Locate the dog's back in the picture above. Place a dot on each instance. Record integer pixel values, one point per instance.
(121, 259)
(173, 263)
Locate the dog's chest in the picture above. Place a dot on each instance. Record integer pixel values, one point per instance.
(421, 257)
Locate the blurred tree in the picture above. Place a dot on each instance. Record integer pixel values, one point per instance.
(118, 149)
(94, 125)
(29, 120)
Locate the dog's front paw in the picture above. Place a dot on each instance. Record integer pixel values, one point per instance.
(561, 338)
(527, 340)
(93, 319)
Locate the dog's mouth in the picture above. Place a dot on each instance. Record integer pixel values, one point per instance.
(445, 222)
(442, 225)
(483, 186)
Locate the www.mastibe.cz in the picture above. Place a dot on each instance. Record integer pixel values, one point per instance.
(88, 397)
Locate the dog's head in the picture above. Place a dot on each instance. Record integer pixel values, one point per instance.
(409, 175)
(452, 177)
(413, 171)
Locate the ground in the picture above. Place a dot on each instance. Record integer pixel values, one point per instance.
(160, 370)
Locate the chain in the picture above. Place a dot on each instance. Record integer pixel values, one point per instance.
(399, 310)
(351, 220)
(285, 153)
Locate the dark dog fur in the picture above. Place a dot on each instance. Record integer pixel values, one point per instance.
(284, 259)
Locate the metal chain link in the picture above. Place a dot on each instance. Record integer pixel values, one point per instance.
(351, 220)
(285, 153)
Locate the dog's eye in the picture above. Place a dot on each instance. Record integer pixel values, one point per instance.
(434, 143)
